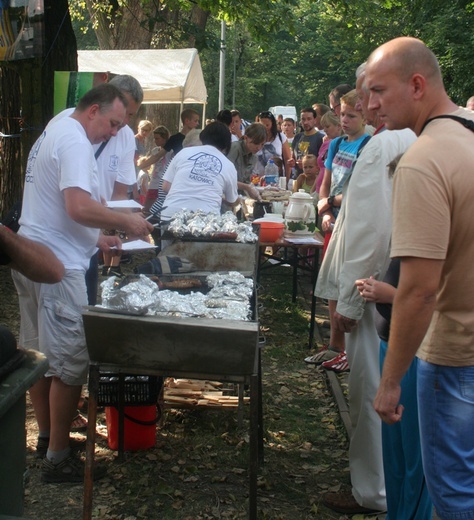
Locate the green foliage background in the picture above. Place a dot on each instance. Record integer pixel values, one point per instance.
(294, 52)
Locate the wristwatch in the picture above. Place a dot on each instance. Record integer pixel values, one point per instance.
(331, 200)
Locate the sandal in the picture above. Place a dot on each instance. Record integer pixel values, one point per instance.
(325, 354)
(79, 423)
(339, 364)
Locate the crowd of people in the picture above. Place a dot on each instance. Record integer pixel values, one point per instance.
(385, 162)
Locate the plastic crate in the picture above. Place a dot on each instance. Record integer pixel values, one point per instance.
(138, 390)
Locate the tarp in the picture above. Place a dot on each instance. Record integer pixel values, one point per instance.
(166, 76)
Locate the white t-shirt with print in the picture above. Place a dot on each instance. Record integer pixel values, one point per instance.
(61, 158)
(200, 176)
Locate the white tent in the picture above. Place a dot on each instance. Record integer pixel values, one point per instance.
(166, 76)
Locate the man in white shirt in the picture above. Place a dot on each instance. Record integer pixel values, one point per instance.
(62, 209)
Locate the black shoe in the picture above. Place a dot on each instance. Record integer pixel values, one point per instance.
(70, 469)
(126, 258)
(43, 445)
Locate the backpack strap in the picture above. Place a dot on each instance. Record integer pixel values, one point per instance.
(467, 123)
(100, 149)
(338, 142)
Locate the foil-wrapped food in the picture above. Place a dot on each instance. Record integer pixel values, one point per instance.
(228, 297)
(211, 225)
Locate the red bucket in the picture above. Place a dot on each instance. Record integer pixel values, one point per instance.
(139, 427)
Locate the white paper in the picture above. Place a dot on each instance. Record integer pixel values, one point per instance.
(123, 204)
(135, 245)
(308, 240)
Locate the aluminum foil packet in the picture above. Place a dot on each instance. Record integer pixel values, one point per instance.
(229, 298)
(201, 224)
(134, 298)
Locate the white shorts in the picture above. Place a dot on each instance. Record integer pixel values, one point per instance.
(51, 322)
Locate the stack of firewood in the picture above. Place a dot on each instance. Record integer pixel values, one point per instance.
(191, 393)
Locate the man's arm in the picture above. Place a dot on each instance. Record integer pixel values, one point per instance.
(413, 309)
(88, 212)
(250, 190)
(33, 260)
(120, 191)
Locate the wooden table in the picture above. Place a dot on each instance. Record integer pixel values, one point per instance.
(302, 256)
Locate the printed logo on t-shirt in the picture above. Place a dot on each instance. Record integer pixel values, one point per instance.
(113, 162)
(205, 168)
(32, 158)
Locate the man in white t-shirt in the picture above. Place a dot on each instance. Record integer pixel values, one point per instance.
(62, 209)
(199, 177)
(116, 166)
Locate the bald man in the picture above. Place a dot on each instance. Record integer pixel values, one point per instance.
(433, 230)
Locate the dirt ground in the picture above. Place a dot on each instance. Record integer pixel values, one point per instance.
(198, 468)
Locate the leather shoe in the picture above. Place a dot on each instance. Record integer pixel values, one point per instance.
(346, 503)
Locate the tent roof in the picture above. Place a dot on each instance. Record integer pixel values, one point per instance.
(166, 76)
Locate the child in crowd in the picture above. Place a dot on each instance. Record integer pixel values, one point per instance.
(288, 128)
(307, 179)
(341, 159)
(407, 493)
(331, 125)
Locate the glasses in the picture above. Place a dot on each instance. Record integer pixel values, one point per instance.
(266, 115)
(333, 109)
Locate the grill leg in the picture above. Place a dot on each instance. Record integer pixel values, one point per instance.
(90, 443)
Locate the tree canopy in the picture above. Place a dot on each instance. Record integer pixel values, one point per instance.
(288, 51)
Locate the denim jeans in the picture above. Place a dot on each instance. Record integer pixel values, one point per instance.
(407, 493)
(446, 407)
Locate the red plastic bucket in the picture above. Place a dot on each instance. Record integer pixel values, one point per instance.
(136, 436)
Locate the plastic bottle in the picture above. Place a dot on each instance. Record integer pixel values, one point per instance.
(271, 173)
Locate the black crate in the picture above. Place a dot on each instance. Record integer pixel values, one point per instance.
(137, 390)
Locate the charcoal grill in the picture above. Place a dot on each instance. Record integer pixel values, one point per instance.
(196, 348)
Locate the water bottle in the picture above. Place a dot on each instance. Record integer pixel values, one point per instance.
(271, 173)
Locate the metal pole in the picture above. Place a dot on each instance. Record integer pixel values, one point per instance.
(235, 67)
(222, 68)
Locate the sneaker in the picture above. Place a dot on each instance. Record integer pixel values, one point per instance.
(325, 354)
(338, 364)
(70, 469)
(43, 445)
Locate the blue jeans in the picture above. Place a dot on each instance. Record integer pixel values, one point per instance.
(407, 493)
(446, 401)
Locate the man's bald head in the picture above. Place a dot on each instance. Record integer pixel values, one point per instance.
(405, 84)
(408, 56)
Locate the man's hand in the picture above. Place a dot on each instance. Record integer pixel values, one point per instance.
(253, 193)
(107, 242)
(344, 324)
(137, 226)
(387, 402)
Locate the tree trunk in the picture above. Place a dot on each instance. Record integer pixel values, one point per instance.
(29, 84)
(128, 27)
(10, 149)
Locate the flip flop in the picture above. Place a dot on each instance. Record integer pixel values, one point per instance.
(79, 423)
